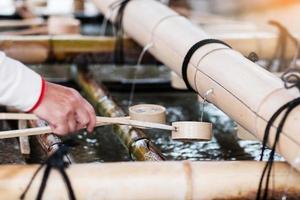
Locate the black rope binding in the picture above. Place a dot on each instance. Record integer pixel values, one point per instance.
(56, 161)
(189, 55)
(119, 44)
(291, 79)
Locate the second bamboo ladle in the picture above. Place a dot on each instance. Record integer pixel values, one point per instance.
(180, 130)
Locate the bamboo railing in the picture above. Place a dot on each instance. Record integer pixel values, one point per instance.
(154, 180)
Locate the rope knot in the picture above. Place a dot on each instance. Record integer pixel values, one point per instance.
(291, 79)
(56, 160)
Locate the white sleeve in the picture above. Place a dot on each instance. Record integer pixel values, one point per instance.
(20, 87)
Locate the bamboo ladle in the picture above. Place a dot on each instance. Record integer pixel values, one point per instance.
(180, 130)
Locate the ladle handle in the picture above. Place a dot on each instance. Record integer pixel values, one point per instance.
(99, 122)
(18, 116)
(25, 132)
(136, 123)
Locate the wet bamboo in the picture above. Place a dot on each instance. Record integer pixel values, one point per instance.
(153, 180)
(104, 104)
(247, 93)
(49, 142)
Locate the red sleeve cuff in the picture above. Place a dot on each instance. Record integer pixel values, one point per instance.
(41, 97)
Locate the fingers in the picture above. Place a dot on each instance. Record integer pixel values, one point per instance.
(72, 123)
(86, 116)
(64, 121)
(85, 113)
(82, 118)
(52, 127)
(92, 116)
(61, 128)
(65, 110)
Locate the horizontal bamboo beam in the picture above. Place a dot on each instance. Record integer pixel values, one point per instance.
(139, 146)
(153, 180)
(40, 49)
(247, 93)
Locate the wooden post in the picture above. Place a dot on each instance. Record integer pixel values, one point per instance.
(247, 93)
(24, 141)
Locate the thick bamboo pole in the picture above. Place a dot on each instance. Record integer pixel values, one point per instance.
(247, 93)
(153, 180)
(141, 149)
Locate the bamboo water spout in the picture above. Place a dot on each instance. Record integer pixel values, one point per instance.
(49, 142)
(137, 143)
(153, 180)
(247, 93)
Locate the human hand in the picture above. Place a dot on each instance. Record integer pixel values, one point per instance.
(65, 110)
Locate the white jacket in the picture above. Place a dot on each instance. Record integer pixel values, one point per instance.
(20, 87)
